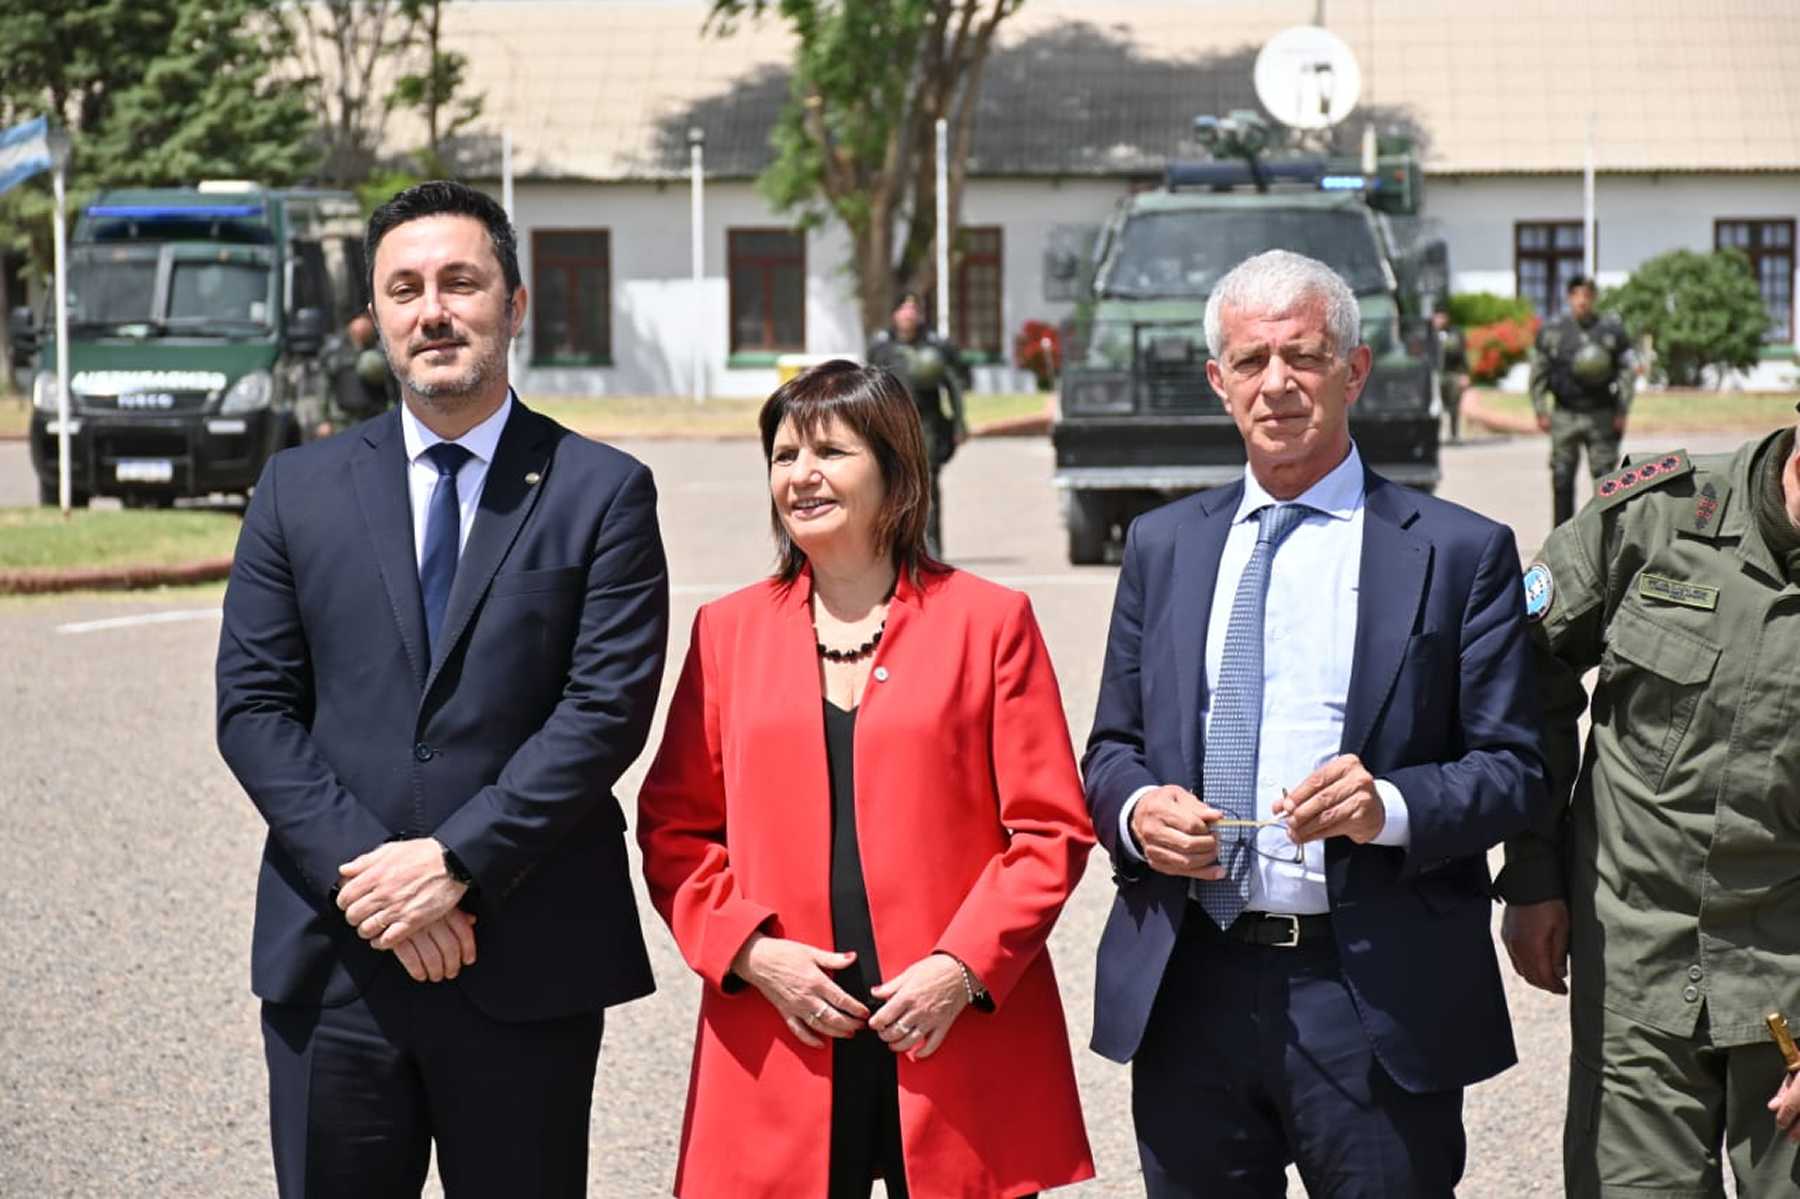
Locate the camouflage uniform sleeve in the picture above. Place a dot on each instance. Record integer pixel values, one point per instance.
(1566, 605)
(953, 384)
(1625, 378)
(1540, 372)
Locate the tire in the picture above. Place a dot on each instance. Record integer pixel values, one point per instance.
(1089, 530)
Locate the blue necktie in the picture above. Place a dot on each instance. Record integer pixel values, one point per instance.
(1228, 780)
(443, 537)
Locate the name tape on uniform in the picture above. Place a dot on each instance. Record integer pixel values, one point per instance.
(1674, 591)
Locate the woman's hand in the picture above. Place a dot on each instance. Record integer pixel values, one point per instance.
(919, 1005)
(795, 978)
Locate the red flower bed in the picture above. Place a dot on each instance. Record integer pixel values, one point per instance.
(1038, 349)
(1493, 349)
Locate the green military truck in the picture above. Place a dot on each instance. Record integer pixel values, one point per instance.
(207, 330)
(1137, 422)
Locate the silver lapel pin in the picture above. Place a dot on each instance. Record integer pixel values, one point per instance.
(532, 478)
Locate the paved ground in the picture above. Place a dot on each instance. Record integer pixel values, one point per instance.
(130, 1061)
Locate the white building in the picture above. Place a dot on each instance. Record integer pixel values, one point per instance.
(1695, 113)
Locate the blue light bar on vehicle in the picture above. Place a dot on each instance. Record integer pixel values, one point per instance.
(174, 212)
(1343, 183)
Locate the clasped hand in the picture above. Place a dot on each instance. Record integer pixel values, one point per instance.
(399, 897)
(918, 1005)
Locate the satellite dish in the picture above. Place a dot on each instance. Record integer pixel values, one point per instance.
(1307, 78)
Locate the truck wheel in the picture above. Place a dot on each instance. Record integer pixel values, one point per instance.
(48, 497)
(1089, 529)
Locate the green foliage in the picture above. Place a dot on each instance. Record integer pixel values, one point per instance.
(384, 185)
(1471, 308)
(435, 90)
(208, 108)
(151, 92)
(1699, 311)
(855, 142)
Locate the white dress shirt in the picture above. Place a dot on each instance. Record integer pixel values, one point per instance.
(1309, 645)
(422, 476)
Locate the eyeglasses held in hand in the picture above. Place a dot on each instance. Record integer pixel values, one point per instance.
(1265, 838)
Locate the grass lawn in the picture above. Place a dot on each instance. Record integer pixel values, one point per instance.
(39, 538)
(623, 417)
(1685, 411)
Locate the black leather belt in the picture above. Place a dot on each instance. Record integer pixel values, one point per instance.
(1280, 931)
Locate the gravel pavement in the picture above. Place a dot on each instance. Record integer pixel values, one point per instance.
(130, 1058)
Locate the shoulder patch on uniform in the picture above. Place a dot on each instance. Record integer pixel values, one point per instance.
(1653, 471)
(1706, 506)
(1540, 589)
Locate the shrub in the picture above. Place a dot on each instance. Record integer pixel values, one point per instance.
(1471, 308)
(1493, 348)
(1699, 311)
(1038, 349)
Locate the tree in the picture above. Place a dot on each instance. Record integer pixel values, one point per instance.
(433, 89)
(1699, 311)
(148, 91)
(871, 79)
(340, 44)
(208, 108)
(347, 48)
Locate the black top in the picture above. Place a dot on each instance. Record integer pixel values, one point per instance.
(849, 896)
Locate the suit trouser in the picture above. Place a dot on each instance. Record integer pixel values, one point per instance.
(358, 1093)
(1648, 1111)
(1255, 1057)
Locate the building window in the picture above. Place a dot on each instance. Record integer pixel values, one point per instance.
(571, 300)
(768, 289)
(1546, 255)
(1769, 245)
(975, 292)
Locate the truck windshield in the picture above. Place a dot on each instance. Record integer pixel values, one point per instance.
(111, 289)
(1184, 254)
(205, 292)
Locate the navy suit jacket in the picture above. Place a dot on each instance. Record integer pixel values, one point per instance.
(1440, 703)
(504, 744)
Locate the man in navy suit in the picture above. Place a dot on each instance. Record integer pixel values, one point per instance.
(442, 644)
(1315, 719)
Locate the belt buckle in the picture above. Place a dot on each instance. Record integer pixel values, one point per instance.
(1293, 931)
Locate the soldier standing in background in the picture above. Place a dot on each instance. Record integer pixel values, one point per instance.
(1582, 362)
(1452, 368)
(1670, 882)
(932, 370)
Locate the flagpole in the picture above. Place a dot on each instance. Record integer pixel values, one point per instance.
(59, 157)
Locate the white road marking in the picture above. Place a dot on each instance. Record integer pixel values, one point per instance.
(143, 618)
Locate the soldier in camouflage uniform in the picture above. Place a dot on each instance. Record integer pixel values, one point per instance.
(1452, 369)
(1671, 881)
(932, 371)
(1581, 388)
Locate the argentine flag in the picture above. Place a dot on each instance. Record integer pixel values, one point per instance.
(24, 151)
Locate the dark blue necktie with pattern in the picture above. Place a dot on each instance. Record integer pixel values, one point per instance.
(1228, 779)
(443, 537)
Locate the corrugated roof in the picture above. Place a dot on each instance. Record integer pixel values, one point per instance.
(608, 90)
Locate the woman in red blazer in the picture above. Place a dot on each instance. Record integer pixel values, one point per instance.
(863, 820)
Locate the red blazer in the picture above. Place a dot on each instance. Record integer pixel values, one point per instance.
(973, 833)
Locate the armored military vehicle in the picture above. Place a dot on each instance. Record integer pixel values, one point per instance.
(1137, 422)
(206, 328)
